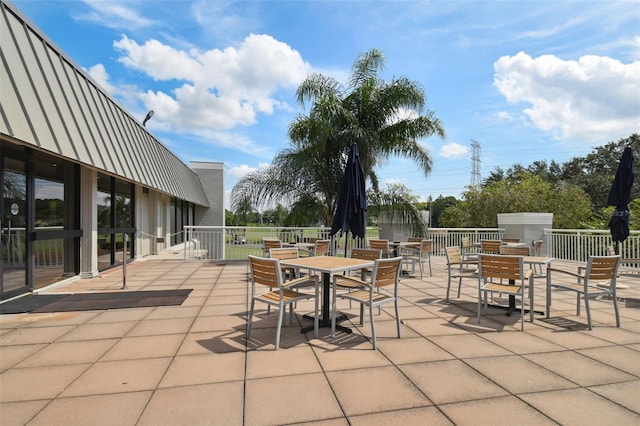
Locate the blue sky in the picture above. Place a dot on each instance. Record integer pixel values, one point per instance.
(528, 80)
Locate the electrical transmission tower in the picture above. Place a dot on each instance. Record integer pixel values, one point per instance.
(475, 159)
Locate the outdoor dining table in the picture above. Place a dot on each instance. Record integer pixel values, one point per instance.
(397, 245)
(303, 246)
(328, 265)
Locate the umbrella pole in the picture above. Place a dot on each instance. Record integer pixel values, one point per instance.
(346, 243)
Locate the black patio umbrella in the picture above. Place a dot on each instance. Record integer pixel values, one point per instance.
(620, 196)
(350, 215)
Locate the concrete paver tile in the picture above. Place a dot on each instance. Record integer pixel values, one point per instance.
(161, 326)
(621, 357)
(19, 413)
(579, 368)
(451, 381)
(519, 375)
(522, 343)
(204, 368)
(12, 355)
(96, 331)
(25, 384)
(119, 376)
(65, 353)
(495, 412)
(468, 346)
(338, 358)
(209, 404)
(371, 390)
(626, 394)
(280, 400)
(113, 409)
(580, 407)
(412, 350)
(33, 335)
(145, 347)
(407, 417)
(297, 360)
(213, 341)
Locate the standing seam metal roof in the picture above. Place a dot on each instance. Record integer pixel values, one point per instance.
(49, 102)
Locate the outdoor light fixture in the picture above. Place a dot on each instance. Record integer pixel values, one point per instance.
(149, 115)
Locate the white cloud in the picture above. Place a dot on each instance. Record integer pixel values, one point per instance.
(505, 116)
(592, 99)
(454, 150)
(216, 89)
(100, 75)
(241, 171)
(113, 14)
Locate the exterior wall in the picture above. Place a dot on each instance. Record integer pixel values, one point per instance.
(211, 176)
(526, 226)
(77, 121)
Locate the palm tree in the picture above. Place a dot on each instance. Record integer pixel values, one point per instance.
(382, 118)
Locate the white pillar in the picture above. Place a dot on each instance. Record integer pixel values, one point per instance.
(88, 223)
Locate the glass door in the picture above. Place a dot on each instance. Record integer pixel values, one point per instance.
(13, 277)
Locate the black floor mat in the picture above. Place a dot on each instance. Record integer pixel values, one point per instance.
(41, 303)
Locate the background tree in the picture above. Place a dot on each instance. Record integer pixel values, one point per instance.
(438, 206)
(399, 205)
(382, 118)
(595, 172)
(527, 192)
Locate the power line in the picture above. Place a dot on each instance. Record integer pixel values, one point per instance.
(475, 159)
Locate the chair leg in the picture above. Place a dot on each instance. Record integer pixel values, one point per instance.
(250, 318)
(615, 307)
(280, 319)
(373, 327)
(586, 308)
(397, 317)
(430, 273)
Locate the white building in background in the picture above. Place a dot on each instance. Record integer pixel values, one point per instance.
(78, 172)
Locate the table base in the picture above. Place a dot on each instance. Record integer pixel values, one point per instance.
(322, 323)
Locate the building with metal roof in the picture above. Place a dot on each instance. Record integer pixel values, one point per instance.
(79, 174)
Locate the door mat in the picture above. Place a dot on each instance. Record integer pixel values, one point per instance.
(46, 303)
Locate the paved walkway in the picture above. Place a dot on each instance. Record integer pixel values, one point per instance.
(191, 364)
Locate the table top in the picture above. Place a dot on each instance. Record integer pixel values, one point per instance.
(404, 243)
(299, 245)
(538, 260)
(328, 264)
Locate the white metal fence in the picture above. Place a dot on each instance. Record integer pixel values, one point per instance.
(218, 243)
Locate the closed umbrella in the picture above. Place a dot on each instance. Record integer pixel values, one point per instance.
(620, 196)
(350, 215)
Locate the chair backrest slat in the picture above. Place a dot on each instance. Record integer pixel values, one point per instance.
(269, 243)
(284, 253)
(515, 251)
(425, 246)
(386, 271)
(265, 271)
(466, 242)
(490, 246)
(366, 254)
(453, 254)
(501, 266)
(380, 245)
(321, 248)
(602, 267)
